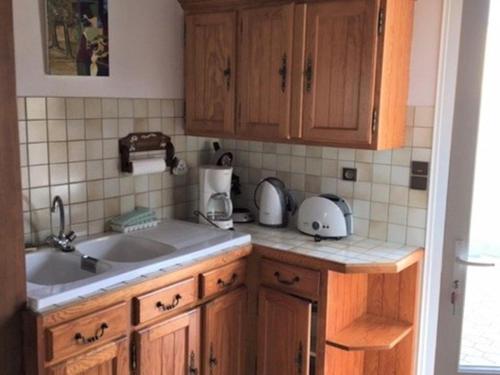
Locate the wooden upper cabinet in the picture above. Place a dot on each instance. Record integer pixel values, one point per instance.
(339, 72)
(109, 359)
(284, 334)
(225, 334)
(332, 72)
(210, 69)
(264, 72)
(171, 347)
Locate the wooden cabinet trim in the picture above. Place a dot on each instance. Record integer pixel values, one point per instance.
(288, 353)
(264, 71)
(170, 346)
(210, 95)
(114, 356)
(293, 279)
(92, 330)
(165, 300)
(223, 278)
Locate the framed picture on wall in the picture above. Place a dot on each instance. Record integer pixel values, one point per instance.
(77, 37)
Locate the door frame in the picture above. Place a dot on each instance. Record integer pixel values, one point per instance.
(438, 191)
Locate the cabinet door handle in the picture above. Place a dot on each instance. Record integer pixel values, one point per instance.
(175, 302)
(227, 73)
(296, 279)
(309, 74)
(82, 340)
(283, 72)
(192, 364)
(212, 362)
(226, 284)
(299, 359)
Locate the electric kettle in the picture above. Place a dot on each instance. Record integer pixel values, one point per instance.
(274, 202)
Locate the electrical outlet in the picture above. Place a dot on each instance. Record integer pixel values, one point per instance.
(349, 174)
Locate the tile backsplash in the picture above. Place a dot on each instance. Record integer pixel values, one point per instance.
(384, 206)
(69, 147)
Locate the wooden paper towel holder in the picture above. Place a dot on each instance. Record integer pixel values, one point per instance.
(143, 142)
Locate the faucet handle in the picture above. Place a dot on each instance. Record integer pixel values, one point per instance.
(71, 236)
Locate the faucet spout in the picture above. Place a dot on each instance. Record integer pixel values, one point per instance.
(63, 241)
(58, 203)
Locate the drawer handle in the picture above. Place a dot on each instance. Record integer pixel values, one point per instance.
(223, 284)
(82, 340)
(175, 302)
(296, 279)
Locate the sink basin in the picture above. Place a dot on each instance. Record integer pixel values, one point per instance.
(54, 268)
(124, 249)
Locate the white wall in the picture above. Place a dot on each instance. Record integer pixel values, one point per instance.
(146, 47)
(425, 52)
(146, 38)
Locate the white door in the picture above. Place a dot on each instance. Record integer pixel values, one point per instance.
(468, 339)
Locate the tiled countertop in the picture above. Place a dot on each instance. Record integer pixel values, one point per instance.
(353, 250)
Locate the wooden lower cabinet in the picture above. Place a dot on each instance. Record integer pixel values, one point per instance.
(109, 359)
(171, 347)
(224, 334)
(284, 334)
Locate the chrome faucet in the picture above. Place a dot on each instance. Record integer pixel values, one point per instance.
(64, 240)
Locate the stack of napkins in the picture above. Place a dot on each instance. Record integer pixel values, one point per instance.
(140, 218)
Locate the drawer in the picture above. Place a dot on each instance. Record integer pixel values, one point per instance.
(298, 280)
(87, 332)
(165, 300)
(223, 278)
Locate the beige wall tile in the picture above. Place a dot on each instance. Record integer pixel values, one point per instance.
(58, 174)
(37, 131)
(76, 151)
(95, 190)
(58, 152)
(22, 131)
(78, 213)
(23, 155)
(77, 171)
(78, 192)
(21, 108)
(111, 207)
(93, 108)
(109, 108)
(95, 210)
(110, 128)
(75, 109)
(95, 170)
(76, 130)
(140, 108)
(167, 108)
(424, 116)
(94, 149)
(57, 130)
(56, 108)
(154, 108)
(38, 154)
(93, 129)
(422, 137)
(39, 198)
(36, 109)
(125, 108)
(39, 175)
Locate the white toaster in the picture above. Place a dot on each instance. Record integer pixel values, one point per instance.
(326, 216)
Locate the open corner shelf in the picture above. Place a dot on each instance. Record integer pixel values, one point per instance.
(371, 332)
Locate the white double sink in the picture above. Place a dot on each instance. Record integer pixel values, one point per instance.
(55, 277)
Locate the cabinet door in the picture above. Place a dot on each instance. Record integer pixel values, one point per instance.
(225, 334)
(171, 347)
(284, 334)
(210, 70)
(264, 72)
(110, 359)
(340, 71)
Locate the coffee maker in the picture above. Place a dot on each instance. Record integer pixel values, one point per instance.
(216, 207)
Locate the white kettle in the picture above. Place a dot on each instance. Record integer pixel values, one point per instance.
(274, 202)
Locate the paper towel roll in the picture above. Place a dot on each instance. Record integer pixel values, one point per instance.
(148, 166)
